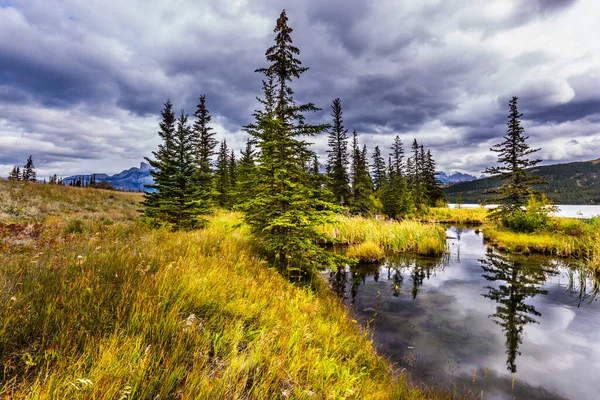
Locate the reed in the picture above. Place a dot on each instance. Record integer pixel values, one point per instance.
(367, 252)
(462, 216)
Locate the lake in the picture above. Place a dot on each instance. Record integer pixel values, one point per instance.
(564, 210)
(479, 321)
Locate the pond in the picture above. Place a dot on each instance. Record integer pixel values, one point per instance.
(480, 322)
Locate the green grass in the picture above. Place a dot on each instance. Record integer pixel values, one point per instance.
(399, 237)
(107, 308)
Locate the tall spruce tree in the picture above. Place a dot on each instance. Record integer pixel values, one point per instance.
(398, 156)
(337, 156)
(414, 169)
(223, 176)
(378, 168)
(513, 158)
(204, 149)
(284, 214)
(28, 172)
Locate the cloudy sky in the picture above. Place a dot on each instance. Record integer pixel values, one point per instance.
(82, 81)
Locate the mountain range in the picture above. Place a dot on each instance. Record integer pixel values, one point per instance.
(569, 183)
(132, 179)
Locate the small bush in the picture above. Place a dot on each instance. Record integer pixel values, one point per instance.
(536, 216)
(367, 252)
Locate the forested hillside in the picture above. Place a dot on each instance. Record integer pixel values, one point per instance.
(570, 183)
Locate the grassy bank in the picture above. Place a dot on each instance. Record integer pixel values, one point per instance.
(563, 237)
(460, 216)
(106, 308)
(400, 237)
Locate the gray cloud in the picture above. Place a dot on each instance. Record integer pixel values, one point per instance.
(81, 83)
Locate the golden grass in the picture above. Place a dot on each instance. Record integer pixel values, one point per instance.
(543, 243)
(462, 216)
(403, 236)
(115, 310)
(367, 252)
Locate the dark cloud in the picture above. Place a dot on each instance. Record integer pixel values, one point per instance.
(93, 78)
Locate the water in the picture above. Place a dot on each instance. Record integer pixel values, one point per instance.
(534, 320)
(565, 210)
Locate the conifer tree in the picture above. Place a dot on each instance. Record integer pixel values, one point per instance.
(513, 158)
(398, 155)
(362, 186)
(433, 190)
(245, 175)
(163, 167)
(205, 143)
(378, 168)
(28, 173)
(337, 156)
(178, 199)
(284, 214)
(223, 176)
(414, 168)
(15, 174)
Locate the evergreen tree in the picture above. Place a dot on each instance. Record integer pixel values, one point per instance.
(337, 156)
(223, 176)
(433, 189)
(15, 174)
(513, 158)
(245, 175)
(156, 203)
(204, 143)
(362, 186)
(284, 214)
(379, 174)
(398, 156)
(414, 168)
(28, 173)
(178, 199)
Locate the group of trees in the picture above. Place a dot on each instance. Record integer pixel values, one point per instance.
(188, 183)
(277, 182)
(396, 189)
(28, 172)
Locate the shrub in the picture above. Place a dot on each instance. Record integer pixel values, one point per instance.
(535, 216)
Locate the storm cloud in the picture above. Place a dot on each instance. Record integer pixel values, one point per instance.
(82, 82)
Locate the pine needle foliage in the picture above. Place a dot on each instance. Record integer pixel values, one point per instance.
(513, 159)
(337, 156)
(284, 213)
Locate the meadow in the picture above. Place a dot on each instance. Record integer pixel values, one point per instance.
(96, 304)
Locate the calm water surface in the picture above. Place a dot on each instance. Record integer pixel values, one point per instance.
(477, 320)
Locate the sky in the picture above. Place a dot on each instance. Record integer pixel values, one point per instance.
(82, 82)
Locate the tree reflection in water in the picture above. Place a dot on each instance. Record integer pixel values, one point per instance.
(518, 281)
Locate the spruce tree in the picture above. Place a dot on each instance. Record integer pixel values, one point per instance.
(398, 156)
(284, 214)
(337, 156)
(29, 173)
(513, 158)
(223, 176)
(245, 181)
(177, 199)
(433, 190)
(362, 186)
(15, 174)
(163, 167)
(414, 168)
(205, 143)
(378, 168)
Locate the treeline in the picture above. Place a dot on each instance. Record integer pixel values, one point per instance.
(276, 181)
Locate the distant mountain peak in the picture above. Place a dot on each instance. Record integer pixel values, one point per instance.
(455, 177)
(132, 179)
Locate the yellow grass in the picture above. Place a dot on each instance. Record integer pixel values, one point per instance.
(462, 216)
(112, 309)
(403, 236)
(367, 252)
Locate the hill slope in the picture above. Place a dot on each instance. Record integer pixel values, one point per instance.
(570, 183)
